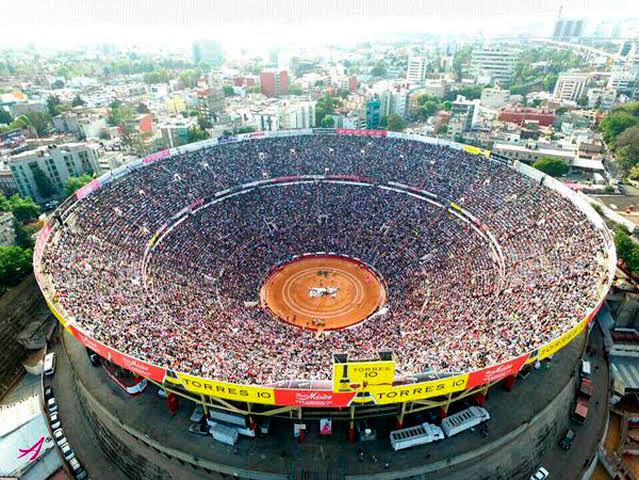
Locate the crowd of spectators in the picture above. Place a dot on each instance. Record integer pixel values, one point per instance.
(460, 296)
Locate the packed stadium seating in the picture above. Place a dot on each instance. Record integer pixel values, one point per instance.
(453, 305)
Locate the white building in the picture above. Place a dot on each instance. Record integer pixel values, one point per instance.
(416, 71)
(393, 98)
(57, 162)
(570, 86)
(603, 98)
(297, 115)
(175, 131)
(623, 82)
(531, 153)
(494, 97)
(285, 115)
(632, 59)
(495, 63)
(266, 119)
(464, 111)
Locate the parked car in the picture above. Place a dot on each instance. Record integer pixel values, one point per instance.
(541, 474)
(566, 442)
(55, 421)
(58, 436)
(49, 363)
(77, 469)
(52, 205)
(94, 358)
(48, 393)
(67, 452)
(52, 405)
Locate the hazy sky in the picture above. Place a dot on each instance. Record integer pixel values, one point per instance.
(61, 23)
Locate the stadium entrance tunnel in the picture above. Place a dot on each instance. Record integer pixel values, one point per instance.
(323, 292)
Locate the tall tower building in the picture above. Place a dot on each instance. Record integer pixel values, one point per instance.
(416, 72)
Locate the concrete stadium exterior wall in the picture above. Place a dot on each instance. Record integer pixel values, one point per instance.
(268, 395)
(496, 460)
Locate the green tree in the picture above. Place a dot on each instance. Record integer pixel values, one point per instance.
(627, 148)
(627, 250)
(396, 123)
(442, 130)
(428, 109)
(328, 122)
(5, 206)
(583, 101)
(23, 209)
(57, 85)
(294, 90)
(15, 263)
(78, 101)
(190, 78)
(379, 70)
(41, 121)
(549, 82)
(75, 183)
(246, 129)
(196, 135)
(63, 71)
(447, 105)
(53, 105)
(45, 186)
(5, 116)
(551, 166)
(462, 57)
(115, 117)
(228, 91)
(325, 106)
(142, 108)
(24, 235)
(631, 107)
(629, 136)
(203, 122)
(627, 157)
(615, 123)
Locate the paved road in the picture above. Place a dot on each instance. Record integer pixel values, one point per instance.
(569, 464)
(77, 428)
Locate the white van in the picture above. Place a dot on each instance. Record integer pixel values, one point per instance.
(49, 363)
(585, 368)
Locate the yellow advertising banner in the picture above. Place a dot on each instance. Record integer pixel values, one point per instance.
(56, 313)
(227, 391)
(421, 391)
(556, 345)
(477, 151)
(363, 376)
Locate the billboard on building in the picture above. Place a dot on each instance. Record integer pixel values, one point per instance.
(364, 376)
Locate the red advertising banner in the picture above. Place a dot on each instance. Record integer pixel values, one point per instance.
(143, 369)
(354, 178)
(290, 178)
(313, 398)
(198, 203)
(157, 156)
(496, 372)
(90, 187)
(358, 131)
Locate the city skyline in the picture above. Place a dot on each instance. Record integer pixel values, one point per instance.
(285, 22)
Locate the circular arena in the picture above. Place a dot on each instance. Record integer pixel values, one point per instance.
(253, 268)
